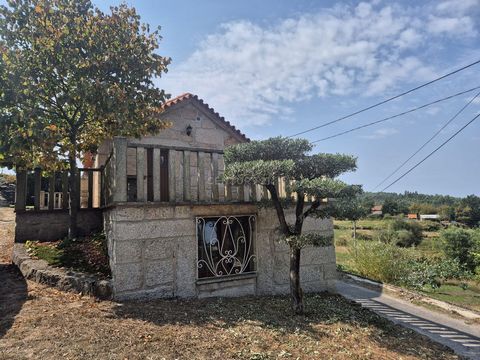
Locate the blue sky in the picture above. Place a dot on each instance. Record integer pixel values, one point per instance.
(280, 67)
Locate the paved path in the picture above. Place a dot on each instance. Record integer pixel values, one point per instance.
(463, 338)
(7, 228)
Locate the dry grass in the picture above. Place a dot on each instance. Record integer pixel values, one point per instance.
(38, 322)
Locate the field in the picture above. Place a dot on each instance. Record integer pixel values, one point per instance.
(462, 293)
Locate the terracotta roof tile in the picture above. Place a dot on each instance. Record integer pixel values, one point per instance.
(188, 96)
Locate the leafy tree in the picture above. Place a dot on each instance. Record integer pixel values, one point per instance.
(263, 162)
(353, 210)
(423, 208)
(70, 77)
(469, 211)
(394, 207)
(462, 245)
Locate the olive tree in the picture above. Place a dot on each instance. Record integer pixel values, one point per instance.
(310, 176)
(72, 76)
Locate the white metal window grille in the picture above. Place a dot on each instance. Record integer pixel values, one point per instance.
(225, 245)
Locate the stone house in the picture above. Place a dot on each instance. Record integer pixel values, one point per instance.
(174, 230)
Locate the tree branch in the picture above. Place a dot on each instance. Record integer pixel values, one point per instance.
(312, 208)
(278, 207)
(299, 212)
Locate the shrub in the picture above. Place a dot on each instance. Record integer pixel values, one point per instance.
(342, 241)
(430, 225)
(401, 227)
(461, 245)
(385, 236)
(364, 236)
(382, 262)
(395, 265)
(432, 272)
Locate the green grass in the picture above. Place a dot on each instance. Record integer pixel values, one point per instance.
(454, 293)
(85, 255)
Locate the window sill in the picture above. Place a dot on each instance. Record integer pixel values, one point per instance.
(250, 275)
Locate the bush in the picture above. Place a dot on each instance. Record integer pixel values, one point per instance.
(430, 225)
(462, 245)
(395, 265)
(382, 262)
(432, 272)
(342, 241)
(401, 233)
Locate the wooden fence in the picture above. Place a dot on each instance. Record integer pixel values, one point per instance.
(136, 172)
(37, 192)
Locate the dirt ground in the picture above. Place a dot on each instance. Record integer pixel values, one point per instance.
(38, 322)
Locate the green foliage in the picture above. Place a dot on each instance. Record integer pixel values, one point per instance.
(258, 172)
(430, 225)
(87, 254)
(408, 233)
(276, 148)
(329, 165)
(350, 209)
(72, 76)
(432, 272)
(383, 262)
(400, 232)
(462, 245)
(468, 212)
(394, 207)
(423, 208)
(312, 239)
(391, 264)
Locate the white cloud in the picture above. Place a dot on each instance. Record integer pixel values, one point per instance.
(381, 133)
(453, 26)
(457, 7)
(253, 74)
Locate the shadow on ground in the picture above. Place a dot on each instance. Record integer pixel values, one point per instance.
(13, 294)
(325, 313)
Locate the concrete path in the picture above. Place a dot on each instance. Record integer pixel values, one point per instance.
(463, 338)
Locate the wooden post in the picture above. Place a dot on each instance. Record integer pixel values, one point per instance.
(241, 193)
(201, 177)
(37, 187)
(228, 191)
(171, 175)
(186, 176)
(102, 186)
(221, 171)
(119, 158)
(140, 174)
(51, 191)
(90, 189)
(65, 199)
(179, 176)
(156, 174)
(253, 189)
(215, 185)
(21, 190)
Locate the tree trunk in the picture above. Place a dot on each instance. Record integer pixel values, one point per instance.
(74, 195)
(296, 292)
(355, 236)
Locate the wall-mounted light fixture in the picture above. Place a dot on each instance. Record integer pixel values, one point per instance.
(188, 130)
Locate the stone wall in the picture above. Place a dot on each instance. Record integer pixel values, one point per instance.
(50, 225)
(153, 253)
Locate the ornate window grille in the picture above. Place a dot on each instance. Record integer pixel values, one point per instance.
(225, 245)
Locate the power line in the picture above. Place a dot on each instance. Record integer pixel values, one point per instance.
(433, 152)
(428, 141)
(386, 101)
(396, 115)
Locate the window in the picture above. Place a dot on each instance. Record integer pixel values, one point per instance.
(225, 245)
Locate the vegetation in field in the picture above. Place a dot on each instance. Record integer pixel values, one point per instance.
(87, 254)
(465, 211)
(442, 263)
